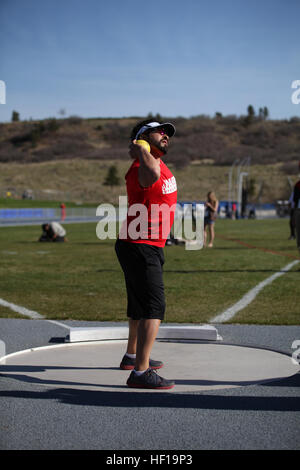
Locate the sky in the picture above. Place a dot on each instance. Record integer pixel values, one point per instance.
(130, 58)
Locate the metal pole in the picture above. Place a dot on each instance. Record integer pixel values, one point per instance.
(243, 163)
(230, 183)
(240, 189)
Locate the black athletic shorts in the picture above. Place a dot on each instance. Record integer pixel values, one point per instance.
(142, 266)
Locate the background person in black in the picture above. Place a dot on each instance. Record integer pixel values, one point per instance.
(297, 211)
(211, 211)
(292, 217)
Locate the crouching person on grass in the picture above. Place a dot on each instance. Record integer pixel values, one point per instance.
(53, 232)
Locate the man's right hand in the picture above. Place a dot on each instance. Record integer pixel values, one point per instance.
(149, 169)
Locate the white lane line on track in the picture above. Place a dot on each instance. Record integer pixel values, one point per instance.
(21, 310)
(250, 296)
(29, 313)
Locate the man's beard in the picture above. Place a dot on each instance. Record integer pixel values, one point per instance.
(159, 145)
(163, 148)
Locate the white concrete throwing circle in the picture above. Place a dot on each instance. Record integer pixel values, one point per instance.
(194, 366)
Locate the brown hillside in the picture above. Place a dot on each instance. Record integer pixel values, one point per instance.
(43, 154)
(221, 139)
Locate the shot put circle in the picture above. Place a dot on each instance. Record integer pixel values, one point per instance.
(195, 366)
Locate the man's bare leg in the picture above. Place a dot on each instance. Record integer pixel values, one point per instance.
(146, 334)
(132, 336)
(212, 235)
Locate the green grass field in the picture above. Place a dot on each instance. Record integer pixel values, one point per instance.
(82, 280)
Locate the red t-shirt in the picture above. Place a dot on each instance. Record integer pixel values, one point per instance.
(151, 210)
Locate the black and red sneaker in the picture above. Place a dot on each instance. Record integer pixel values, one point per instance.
(149, 379)
(128, 363)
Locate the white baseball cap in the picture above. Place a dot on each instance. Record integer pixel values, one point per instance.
(169, 128)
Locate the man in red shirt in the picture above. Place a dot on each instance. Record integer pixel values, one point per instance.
(152, 194)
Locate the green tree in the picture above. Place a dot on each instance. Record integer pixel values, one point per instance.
(250, 116)
(266, 112)
(251, 112)
(263, 113)
(112, 178)
(15, 117)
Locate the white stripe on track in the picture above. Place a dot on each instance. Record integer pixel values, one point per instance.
(250, 296)
(29, 313)
(21, 310)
